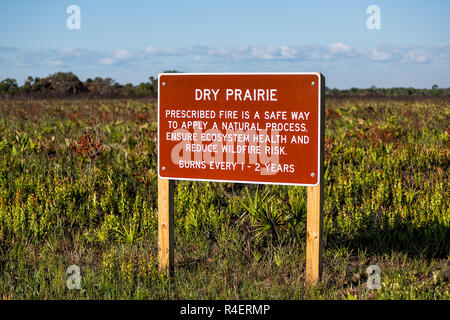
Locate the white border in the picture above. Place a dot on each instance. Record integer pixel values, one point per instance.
(319, 81)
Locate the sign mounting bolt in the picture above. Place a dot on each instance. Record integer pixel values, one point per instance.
(313, 174)
(313, 83)
(163, 168)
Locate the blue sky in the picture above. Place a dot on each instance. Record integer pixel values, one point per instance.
(132, 40)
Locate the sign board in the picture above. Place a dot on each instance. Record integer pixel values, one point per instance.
(240, 127)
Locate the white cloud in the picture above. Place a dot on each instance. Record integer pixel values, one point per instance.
(123, 54)
(70, 58)
(107, 61)
(218, 51)
(414, 56)
(161, 51)
(288, 52)
(55, 62)
(267, 53)
(339, 47)
(379, 55)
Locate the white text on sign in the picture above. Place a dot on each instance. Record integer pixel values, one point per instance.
(237, 94)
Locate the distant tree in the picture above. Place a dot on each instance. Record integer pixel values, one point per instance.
(144, 89)
(99, 86)
(128, 90)
(154, 83)
(172, 71)
(27, 86)
(38, 85)
(65, 83)
(8, 87)
(116, 89)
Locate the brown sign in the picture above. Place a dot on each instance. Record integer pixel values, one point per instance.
(248, 127)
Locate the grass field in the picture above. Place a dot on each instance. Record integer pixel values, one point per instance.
(78, 185)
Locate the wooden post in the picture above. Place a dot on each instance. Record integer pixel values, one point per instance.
(165, 224)
(314, 215)
(314, 244)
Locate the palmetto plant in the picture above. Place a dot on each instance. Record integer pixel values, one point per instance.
(130, 234)
(265, 217)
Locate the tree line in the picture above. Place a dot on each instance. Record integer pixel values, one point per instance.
(373, 91)
(67, 84)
